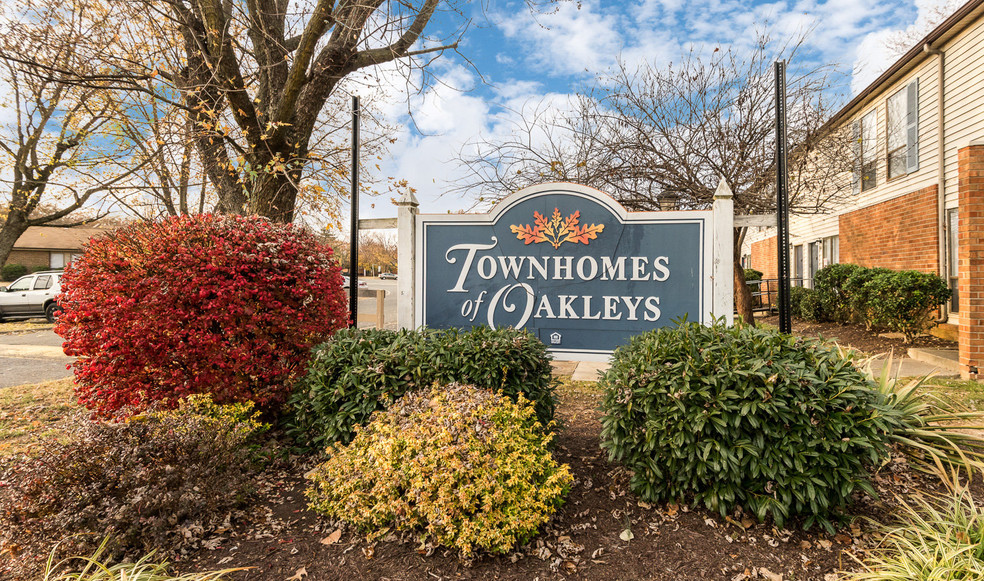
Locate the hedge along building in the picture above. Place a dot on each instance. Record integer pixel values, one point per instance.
(918, 182)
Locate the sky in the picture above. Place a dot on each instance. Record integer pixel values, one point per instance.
(511, 59)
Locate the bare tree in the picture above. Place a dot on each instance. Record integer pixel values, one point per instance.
(175, 145)
(901, 41)
(171, 180)
(57, 150)
(662, 138)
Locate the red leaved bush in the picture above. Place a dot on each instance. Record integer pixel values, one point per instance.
(223, 305)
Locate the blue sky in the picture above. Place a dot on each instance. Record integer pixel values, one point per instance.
(526, 61)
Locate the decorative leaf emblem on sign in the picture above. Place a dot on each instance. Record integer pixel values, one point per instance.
(556, 230)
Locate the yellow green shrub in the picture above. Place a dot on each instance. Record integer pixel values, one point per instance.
(465, 467)
(242, 418)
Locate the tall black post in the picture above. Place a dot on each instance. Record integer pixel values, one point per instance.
(354, 228)
(782, 200)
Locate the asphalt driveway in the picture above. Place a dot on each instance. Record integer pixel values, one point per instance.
(32, 357)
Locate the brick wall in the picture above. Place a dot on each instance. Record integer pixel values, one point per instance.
(971, 259)
(901, 234)
(32, 259)
(764, 257)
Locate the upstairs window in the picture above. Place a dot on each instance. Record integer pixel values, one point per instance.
(869, 151)
(902, 131)
(865, 134)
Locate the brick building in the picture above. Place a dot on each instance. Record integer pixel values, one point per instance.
(50, 247)
(918, 186)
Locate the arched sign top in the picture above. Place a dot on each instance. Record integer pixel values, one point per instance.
(538, 190)
(588, 192)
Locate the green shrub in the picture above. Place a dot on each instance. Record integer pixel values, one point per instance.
(359, 372)
(139, 482)
(830, 283)
(11, 272)
(796, 294)
(731, 416)
(356, 373)
(469, 469)
(506, 361)
(859, 294)
(941, 538)
(804, 303)
(752, 274)
(903, 301)
(936, 435)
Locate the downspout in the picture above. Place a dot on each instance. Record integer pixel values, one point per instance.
(944, 258)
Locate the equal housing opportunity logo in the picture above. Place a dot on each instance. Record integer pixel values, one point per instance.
(584, 279)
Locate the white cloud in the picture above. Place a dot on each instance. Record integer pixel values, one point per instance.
(576, 39)
(445, 116)
(872, 58)
(445, 121)
(879, 49)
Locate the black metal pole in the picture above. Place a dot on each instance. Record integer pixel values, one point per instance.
(354, 229)
(782, 200)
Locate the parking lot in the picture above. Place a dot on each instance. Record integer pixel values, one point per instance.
(368, 305)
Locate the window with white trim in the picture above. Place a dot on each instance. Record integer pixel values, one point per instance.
(62, 259)
(902, 131)
(869, 151)
(831, 250)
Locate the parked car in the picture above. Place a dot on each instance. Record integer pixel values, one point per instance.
(31, 296)
(387, 276)
(345, 282)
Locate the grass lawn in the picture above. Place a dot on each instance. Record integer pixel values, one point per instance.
(26, 325)
(969, 394)
(32, 410)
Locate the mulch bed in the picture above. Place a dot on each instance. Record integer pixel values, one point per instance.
(283, 540)
(856, 337)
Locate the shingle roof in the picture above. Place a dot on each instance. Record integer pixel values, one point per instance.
(51, 238)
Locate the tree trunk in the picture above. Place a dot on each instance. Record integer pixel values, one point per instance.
(274, 196)
(13, 227)
(743, 294)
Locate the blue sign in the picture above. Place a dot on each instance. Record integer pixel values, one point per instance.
(568, 263)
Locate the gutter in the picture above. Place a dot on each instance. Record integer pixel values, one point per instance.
(944, 258)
